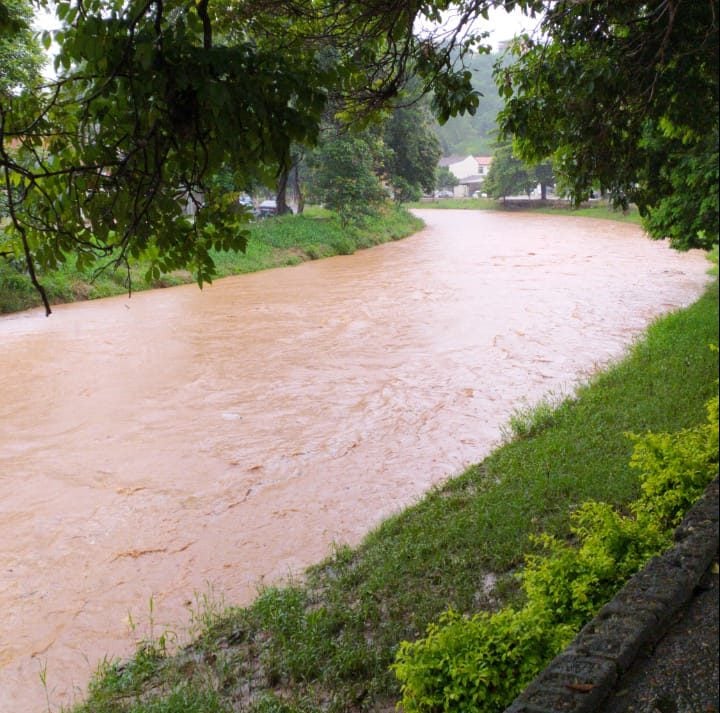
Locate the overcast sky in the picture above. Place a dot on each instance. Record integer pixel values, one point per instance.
(505, 25)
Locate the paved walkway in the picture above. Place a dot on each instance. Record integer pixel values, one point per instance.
(681, 674)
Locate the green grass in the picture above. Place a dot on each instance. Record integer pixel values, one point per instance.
(325, 644)
(600, 210)
(275, 242)
(456, 204)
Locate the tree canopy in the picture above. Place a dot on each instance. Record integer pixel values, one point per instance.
(414, 151)
(508, 175)
(624, 96)
(346, 177)
(21, 57)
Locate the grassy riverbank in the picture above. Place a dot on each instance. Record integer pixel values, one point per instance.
(600, 210)
(326, 644)
(286, 240)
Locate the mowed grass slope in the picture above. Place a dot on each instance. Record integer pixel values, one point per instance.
(326, 644)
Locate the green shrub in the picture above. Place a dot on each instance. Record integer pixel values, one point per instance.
(676, 468)
(476, 665)
(572, 583)
(343, 245)
(316, 252)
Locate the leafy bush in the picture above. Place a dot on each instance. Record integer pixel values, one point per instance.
(316, 252)
(477, 665)
(405, 191)
(343, 245)
(676, 468)
(480, 664)
(572, 583)
(346, 178)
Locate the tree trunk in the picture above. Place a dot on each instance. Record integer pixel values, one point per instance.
(281, 197)
(298, 190)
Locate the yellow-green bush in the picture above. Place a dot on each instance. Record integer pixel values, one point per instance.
(675, 468)
(477, 664)
(572, 583)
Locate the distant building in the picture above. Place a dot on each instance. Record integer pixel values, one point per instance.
(483, 164)
(469, 170)
(459, 166)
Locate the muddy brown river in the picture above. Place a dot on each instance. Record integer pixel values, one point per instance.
(187, 442)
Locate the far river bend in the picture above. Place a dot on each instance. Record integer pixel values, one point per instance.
(182, 440)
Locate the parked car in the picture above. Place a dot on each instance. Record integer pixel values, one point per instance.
(267, 208)
(245, 200)
(444, 194)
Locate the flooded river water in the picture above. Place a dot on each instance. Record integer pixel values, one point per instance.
(155, 447)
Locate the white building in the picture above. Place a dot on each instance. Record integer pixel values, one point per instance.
(469, 170)
(460, 166)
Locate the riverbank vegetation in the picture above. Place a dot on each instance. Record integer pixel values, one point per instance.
(564, 585)
(327, 643)
(284, 240)
(601, 210)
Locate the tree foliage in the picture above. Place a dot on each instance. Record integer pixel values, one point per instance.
(346, 179)
(508, 175)
(21, 57)
(624, 94)
(414, 151)
(445, 179)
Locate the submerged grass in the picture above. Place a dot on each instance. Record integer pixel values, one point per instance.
(275, 242)
(326, 644)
